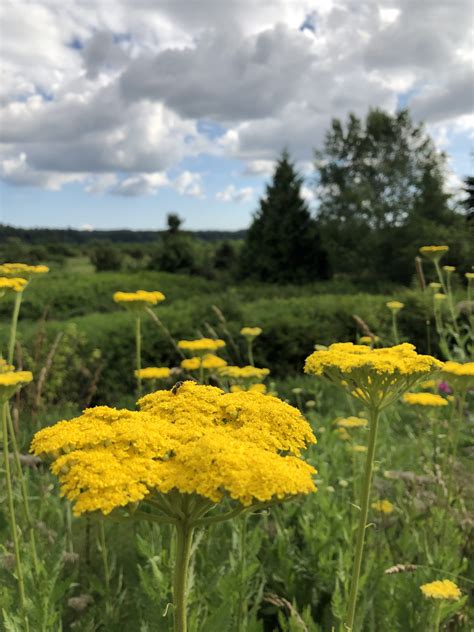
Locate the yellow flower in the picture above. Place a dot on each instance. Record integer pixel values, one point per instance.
(395, 306)
(449, 269)
(460, 375)
(193, 439)
(5, 367)
(13, 284)
(424, 399)
(244, 372)
(153, 373)
(191, 364)
(352, 422)
(342, 434)
(360, 448)
(139, 299)
(428, 384)
(22, 270)
(469, 276)
(251, 332)
(441, 589)
(435, 286)
(434, 252)
(369, 340)
(376, 377)
(211, 361)
(255, 388)
(439, 297)
(201, 345)
(384, 506)
(11, 381)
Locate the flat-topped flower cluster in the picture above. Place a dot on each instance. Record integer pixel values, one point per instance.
(192, 439)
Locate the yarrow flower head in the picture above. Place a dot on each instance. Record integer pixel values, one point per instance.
(461, 376)
(12, 284)
(352, 422)
(434, 252)
(138, 300)
(376, 377)
(449, 269)
(383, 506)
(369, 340)
(244, 372)
(424, 399)
(202, 345)
(254, 388)
(441, 589)
(251, 332)
(11, 381)
(153, 373)
(439, 297)
(192, 439)
(22, 270)
(209, 362)
(469, 276)
(395, 306)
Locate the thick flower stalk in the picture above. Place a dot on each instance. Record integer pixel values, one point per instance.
(376, 378)
(179, 459)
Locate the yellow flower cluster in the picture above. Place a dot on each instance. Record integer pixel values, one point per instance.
(140, 298)
(153, 373)
(251, 332)
(5, 367)
(209, 362)
(369, 340)
(22, 269)
(429, 384)
(469, 276)
(384, 506)
(424, 399)
(359, 448)
(193, 439)
(449, 269)
(201, 345)
(460, 375)
(254, 388)
(441, 589)
(244, 372)
(11, 381)
(13, 284)
(434, 252)
(439, 296)
(374, 376)
(352, 422)
(395, 305)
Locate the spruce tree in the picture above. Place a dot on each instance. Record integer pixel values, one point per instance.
(283, 244)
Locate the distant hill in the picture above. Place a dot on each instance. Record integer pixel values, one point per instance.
(37, 236)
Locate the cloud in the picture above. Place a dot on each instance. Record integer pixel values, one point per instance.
(188, 183)
(259, 167)
(232, 194)
(140, 184)
(450, 100)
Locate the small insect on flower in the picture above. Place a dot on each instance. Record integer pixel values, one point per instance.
(441, 589)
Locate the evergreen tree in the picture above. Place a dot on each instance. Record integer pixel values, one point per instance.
(381, 188)
(283, 244)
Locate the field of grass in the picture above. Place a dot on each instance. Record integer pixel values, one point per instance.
(282, 567)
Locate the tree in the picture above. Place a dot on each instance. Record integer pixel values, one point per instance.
(174, 223)
(381, 189)
(283, 244)
(104, 255)
(468, 188)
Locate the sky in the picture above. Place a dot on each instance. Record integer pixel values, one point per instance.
(114, 113)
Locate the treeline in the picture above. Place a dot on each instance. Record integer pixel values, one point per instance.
(379, 193)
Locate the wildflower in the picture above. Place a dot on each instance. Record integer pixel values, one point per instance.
(13, 284)
(196, 440)
(139, 299)
(11, 381)
(435, 286)
(439, 297)
(191, 364)
(434, 252)
(469, 276)
(343, 434)
(369, 340)
(251, 332)
(211, 361)
(424, 399)
(154, 373)
(201, 345)
(449, 269)
(22, 270)
(352, 422)
(244, 372)
(428, 384)
(461, 375)
(374, 376)
(395, 306)
(441, 589)
(383, 506)
(359, 448)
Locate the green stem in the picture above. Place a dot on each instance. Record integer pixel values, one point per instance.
(440, 276)
(250, 351)
(105, 562)
(184, 538)
(24, 490)
(138, 347)
(364, 510)
(242, 604)
(455, 446)
(394, 327)
(437, 619)
(11, 511)
(14, 323)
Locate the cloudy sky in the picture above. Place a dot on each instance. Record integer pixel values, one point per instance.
(115, 112)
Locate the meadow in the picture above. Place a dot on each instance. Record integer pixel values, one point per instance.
(391, 510)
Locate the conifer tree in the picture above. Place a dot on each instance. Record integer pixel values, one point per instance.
(283, 244)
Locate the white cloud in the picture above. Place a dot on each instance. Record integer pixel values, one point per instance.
(233, 194)
(140, 184)
(259, 167)
(189, 183)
